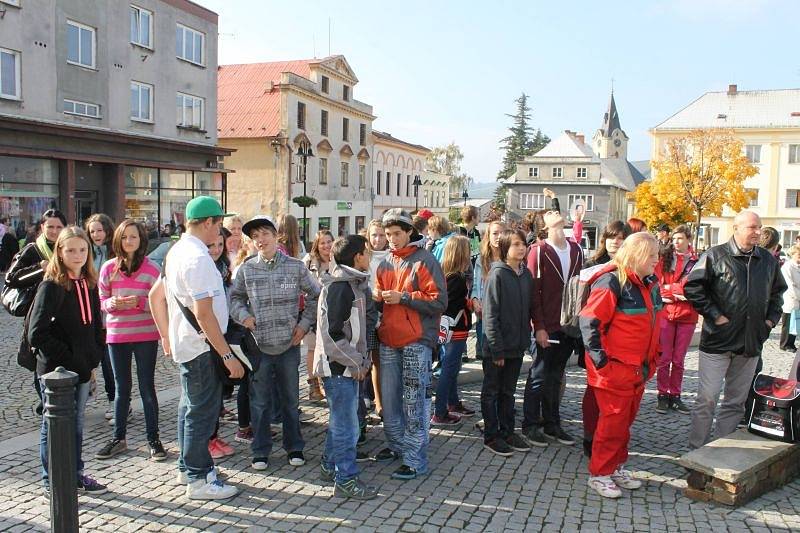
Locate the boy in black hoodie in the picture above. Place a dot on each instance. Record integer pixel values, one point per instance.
(507, 334)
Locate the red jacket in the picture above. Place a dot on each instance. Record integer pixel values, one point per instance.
(676, 310)
(548, 283)
(620, 326)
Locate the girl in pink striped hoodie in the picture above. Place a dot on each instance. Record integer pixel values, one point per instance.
(131, 332)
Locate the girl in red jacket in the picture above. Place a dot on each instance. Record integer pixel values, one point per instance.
(619, 320)
(679, 321)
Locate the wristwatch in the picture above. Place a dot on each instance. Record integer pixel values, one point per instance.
(228, 356)
(405, 298)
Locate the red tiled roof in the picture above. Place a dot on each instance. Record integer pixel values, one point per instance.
(245, 105)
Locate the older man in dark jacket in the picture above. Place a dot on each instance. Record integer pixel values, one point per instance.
(738, 288)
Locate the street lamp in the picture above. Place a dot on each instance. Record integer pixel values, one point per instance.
(304, 152)
(464, 195)
(417, 183)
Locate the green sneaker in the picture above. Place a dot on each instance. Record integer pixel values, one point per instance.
(354, 489)
(325, 473)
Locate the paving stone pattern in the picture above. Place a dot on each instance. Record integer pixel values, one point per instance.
(467, 489)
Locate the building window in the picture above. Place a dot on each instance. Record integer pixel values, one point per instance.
(323, 123)
(581, 172)
(792, 197)
(345, 178)
(345, 129)
(362, 134)
(408, 185)
(301, 116)
(399, 176)
(362, 176)
(557, 172)
(753, 152)
(794, 153)
(85, 109)
(789, 236)
(325, 84)
(361, 222)
(425, 199)
(323, 170)
(9, 74)
(528, 200)
(753, 197)
(346, 93)
(588, 200)
(190, 111)
(388, 183)
(533, 172)
(378, 184)
(324, 223)
(141, 27)
(80, 44)
(141, 102)
(189, 44)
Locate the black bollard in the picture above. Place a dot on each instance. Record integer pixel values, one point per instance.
(60, 416)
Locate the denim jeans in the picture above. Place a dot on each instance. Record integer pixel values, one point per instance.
(447, 388)
(81, 397)
(108, 375)
(146, 354)
(243, 404)
(406, 395)
(543, 386)
(198, 411)
(340, 442)
(286, 384)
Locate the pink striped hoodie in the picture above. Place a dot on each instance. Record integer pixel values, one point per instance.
(130, 325)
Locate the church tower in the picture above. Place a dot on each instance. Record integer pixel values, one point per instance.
(610, 141)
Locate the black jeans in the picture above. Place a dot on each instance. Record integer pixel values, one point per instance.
(497, 397)
(787, 340)
(543, 386)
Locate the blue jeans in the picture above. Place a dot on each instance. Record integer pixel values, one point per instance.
(286, 383)
(447, 388)
(108, 375)
(340, 443)
(81, 397)
(198, 411)
(146, 354)
(406, 394)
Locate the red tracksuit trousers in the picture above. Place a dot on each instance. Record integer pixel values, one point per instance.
(610, 443)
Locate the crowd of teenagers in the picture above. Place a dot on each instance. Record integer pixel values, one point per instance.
(233, 301)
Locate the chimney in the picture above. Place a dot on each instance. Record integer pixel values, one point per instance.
(732, 89)
(581, 138)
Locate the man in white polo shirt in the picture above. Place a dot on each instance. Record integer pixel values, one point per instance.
(193, 280)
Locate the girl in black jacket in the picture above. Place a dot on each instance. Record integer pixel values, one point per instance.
(66, 329)
(507, 333)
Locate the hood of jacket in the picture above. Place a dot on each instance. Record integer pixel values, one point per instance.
(342, 273)
(417, 242)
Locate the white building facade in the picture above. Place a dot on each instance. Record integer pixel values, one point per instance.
(396, 166)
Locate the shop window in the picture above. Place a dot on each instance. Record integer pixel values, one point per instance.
(28, 188)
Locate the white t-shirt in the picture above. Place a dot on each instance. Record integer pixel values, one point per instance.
(563, 256)
(190, 275)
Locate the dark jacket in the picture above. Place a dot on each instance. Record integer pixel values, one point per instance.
(65, 331)
(26, 270)
(458, 300)
(745, 288)
(9, 246)
(548, 283)
(507, 312)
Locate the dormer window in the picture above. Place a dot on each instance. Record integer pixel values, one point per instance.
(346, 93)
(325, 84)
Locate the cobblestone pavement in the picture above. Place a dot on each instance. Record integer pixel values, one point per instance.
(467, 489)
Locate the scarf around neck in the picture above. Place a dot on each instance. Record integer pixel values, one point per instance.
(44, 247)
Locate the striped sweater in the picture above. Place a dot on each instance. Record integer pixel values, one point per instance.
(130, 325)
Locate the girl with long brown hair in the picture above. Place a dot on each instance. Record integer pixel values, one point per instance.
(490, 252)
(124, 283)
(318, 262)
(66, 329)
(289, 241)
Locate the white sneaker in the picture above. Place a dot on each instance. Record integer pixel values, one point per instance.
(211, 489)
(183, 476)
(624, 478)
(111, 418)
(109, 414)
(605, 486)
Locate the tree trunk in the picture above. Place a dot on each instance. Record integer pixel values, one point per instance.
(697, 230)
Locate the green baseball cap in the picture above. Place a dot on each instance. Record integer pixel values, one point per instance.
(201, 207)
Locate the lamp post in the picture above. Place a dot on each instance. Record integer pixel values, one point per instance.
(465, 195)
(304, 152)
(417, 183)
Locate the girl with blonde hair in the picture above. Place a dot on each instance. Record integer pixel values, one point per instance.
(490, 252)
(233, 242)
(289, 241)
(318, 262)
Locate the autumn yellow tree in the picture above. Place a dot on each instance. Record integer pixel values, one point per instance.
(698, 175)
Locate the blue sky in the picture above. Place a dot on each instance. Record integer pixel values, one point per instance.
(441, 71)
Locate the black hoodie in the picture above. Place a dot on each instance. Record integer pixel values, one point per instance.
(507, 311)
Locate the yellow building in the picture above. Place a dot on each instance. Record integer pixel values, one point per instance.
(768, 122)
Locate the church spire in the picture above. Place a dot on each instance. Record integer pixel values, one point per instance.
(611, 118)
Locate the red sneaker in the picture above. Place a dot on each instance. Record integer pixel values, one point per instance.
(224, 447)
(214, 450)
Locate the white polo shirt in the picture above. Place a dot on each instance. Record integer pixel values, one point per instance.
(190, 275)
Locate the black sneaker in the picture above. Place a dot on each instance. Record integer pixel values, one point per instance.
(536, 437)
(362, 436)
(500, 447)
(663, 404)
(362, 457)
(157, 451)
(325, 473)
(354, 489)
(386, 456)
(561, 436)
(112, 448)
(404, 473)
(587, 447)
(676, 404)
(89, 485)
(517, 443)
